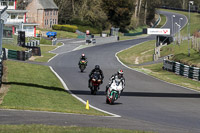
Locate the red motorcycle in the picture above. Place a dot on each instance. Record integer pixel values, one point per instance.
(95, 83)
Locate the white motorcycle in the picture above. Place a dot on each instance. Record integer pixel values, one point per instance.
(114, 91)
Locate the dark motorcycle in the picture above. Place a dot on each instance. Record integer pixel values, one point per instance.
(95, 83)
(82, 65)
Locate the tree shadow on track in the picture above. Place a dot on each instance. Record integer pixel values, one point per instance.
(82, 92)
(143, 94)
(158, 94)
(35, 85)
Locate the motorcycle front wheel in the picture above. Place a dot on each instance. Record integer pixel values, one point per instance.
(113, 98)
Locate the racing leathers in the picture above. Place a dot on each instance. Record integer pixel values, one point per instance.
(83, 58)
(113, 77)
(99, 72)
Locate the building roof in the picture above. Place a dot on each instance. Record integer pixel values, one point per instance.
(16, 11)
(48, 4)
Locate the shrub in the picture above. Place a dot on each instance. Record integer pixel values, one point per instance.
(73, 28)
(57, 27)
(69, 28)
(92, 30)
(77, 21)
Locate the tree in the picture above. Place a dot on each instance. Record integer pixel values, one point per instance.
(119, 12)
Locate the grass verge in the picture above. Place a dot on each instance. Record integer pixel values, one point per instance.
(60, 129)
(143, 51)
(156, 71)
(138, 54)
(180, 53)
(163, 21)
(61, 34)
(35, 87)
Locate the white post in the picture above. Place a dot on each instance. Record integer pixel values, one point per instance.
(190, 2)
(173, 16)
(180, 28)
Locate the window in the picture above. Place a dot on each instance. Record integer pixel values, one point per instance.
(11, 3)
(20, 16)
(55, 21)
(47, 21)
(3, 3)
(13, 16)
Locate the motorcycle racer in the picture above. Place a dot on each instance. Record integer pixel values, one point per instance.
(97, 71)
(118, 76)
(83, 57)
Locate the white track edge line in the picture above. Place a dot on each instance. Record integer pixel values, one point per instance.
(81, 100)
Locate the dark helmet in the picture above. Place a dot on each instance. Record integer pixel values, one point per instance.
(120, 73)
(97, 67)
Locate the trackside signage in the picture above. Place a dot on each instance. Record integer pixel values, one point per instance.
(158, 31)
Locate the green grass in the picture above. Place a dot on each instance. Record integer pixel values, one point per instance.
(62, 34)
(163, 21)
(156, 70)
(13, 47)
(138, 29)
(59, 129)
(142, 52)
(180, 53)
(46, 42)
(45, 53)
(35, 87)
(129, 56)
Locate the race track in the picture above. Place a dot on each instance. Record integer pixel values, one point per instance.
(158, 105)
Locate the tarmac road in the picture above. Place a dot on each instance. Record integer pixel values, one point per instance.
(146, 103)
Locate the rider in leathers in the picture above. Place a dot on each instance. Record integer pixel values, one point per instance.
(118, 75)
(98, 71)
(82, 58)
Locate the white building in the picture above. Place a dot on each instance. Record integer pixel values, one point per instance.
(17, 19)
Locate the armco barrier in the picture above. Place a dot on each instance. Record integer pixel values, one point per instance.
(181, 69)
(133, 34)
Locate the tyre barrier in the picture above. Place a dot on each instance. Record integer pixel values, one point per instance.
(181, 69)
(32, 44)
(36, 51)
(19, 55)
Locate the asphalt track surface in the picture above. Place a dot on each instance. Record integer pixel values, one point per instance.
(146, 103)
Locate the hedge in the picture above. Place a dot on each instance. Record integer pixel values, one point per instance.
(69, 28)
(92, 30)
(73, 28)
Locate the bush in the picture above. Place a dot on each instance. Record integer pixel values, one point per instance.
(92, 30)
(77, 21)
(73, 28)
(57, 27)
(69, 28)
